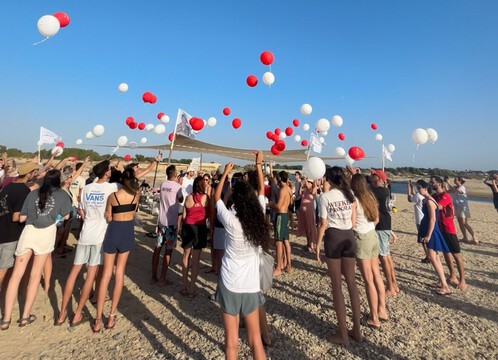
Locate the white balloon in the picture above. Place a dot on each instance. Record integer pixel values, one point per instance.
(133, 144)
(98, 130)
(89, 135)
(322, 125)
(48, 25)
(297, 138)
(314, 168)
(378, 137)
(321, 139)
(143, 140)
(324, 133)
(211, 122)
(420, 136)
(306, 127)
(282, 135)
(149, 127)
(165, 119)
(39, 143)
(57, 151)
(306, 109)
(79, 142)
(432, 135)
(349, 160)
(340, 151)
(123, 87)
(268, 78)
(337, 120)
(390, 148)
(122, 140)
(159, 129)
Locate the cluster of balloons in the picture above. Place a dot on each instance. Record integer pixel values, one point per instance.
(266, 58)
(236, 122)
(49, 25)
(149, 97)
(421, 136)
(132, 124)
(58, 149)
(162, 117)
(97, 131)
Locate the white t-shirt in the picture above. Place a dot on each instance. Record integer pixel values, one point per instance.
(460, 199)
(418, 201)
(363, 225)
(75, 188)
(240, 264)
(93, 202)
(336, 209)
(187, 187)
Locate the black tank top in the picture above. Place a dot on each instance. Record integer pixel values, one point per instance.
(117, 209)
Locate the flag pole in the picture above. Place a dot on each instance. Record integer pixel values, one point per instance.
(383, 158)
(173, 140)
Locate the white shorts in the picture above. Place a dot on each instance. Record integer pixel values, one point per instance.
(89, 254)
(462, 212)
(41, 241)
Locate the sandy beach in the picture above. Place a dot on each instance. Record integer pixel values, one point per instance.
(158, 323)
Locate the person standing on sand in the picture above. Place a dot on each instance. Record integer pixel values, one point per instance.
(462, 210)
(494, 188)
(430, 234)
(89, 249)
(306, 224)
(337, 216)
(417, 200)
(383, 228)
(171, 196)
(140, 174)
(447, 227)
(281, 225)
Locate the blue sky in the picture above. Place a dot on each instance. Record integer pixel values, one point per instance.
(400, 64)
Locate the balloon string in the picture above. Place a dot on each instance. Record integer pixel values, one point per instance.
(39, 42)
(413, 159)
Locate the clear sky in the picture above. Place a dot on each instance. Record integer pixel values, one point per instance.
(400, 64)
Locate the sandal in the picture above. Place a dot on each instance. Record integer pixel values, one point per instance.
(442, 292)
(60, 323)
(5, 322)
(26, 320)
(113, 317)
(95, 324)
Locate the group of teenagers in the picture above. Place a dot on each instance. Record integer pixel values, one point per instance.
(353, 224)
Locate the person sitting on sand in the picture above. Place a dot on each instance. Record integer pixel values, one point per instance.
(417, 200)
(337, 216)
(494, 188)
(430, 234)
(447, 227)
(462, 210)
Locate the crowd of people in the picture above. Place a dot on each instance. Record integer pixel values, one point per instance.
(347, 212)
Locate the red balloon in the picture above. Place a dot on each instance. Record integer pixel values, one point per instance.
(266, 57)
(288, 131)
(226, 111)
(356, 153)
(63, 18)
(147, 96)
(274, 137)
(160, 115)
(373, 126)
(133, 125)
(171, 136)
(341, 136)
(295, 122)
(236, 123)
(127, 157)
(280, 145)
(153, 99)
(252, 80)
(274, 151)
(304, 143)
(141, 126)
(61, 144)
(129, 119)
(277, 131)
(197, 123)
(269, 134)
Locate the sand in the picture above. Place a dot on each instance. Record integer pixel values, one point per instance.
(158, 323)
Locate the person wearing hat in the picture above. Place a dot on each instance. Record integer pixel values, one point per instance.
(11, 200)
(383, 229)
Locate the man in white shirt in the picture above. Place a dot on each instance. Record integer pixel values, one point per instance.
(89, 250)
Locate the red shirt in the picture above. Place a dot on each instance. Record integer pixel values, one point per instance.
(446, 215)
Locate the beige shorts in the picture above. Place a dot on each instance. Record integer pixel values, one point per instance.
(41, 241)
(367, 245)
(462, 212)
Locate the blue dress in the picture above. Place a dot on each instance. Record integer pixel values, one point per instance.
(436, 242)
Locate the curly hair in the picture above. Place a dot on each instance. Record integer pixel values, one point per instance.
(254, 223)
(365, 196)
(51, 181)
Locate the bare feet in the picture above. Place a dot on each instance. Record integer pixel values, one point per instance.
(340, 339)
(277, 272)
(453, 281)
(61, 319)
(356, 334)
(391, 293)
(463, 286)
(288, 269)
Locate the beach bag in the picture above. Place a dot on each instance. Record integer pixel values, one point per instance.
(265, 270)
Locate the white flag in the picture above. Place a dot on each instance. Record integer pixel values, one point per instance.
(182, 125)
(48, 137)
(386, 153)
(316, 146)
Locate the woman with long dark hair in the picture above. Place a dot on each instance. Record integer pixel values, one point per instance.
(367, 250)
(238, 291)
(337, 216)
(119, 240)
(194, 233)
(42, 209)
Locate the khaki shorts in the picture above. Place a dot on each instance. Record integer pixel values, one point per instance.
(367, 245)
(7, 251)
(41, 241)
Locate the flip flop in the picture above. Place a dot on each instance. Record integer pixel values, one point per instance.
(442, 293)
(26, 321)
(364, 322)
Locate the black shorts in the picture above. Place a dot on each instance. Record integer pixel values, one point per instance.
(339, 243)
(194, 236)
(119, 237)
(452, 242)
